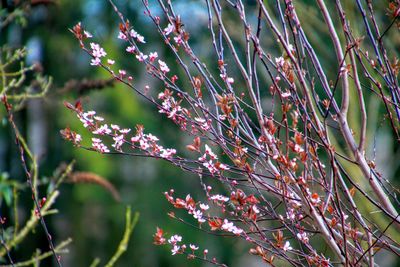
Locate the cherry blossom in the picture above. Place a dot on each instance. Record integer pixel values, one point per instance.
(153, 56)
(175, 239)
(163, 66)
(141, 57)
(131, 49)
(279, 61)
(219, 198)
(170, 28)
(287, 246)
(193, 247)
(122, 36)
(102, 130)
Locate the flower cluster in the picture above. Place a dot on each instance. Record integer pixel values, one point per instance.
(173, 108)
(189, 204)
(97, 53)
(210, 161)
(147, 143)
(177, 246)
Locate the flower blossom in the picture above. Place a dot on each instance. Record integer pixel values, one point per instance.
(175, 239)
(122, 36)
(193, 247)
(97, 51)
(287, 246)
(230, 227)
(170, 28)
(163, 66)
(130, 49)
(219, 198)
(98, 145)
(153, 56)
(102, 130)
(118, 141)
(303, 237)
(141, 57)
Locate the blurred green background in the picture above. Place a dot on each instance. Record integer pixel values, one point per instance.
(88, 213)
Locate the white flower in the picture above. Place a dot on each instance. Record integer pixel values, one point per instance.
(230, 80)
(175, 239)
(125, 130)
(130, 49)
(141, 57)
(122, 36)
(170, 28)
(286, 94)
(103, 129)
(193, 247)
(210, 153)
(163, 66)
(219, 198)
(97, 51)
(175, 249)
(140, 39)
(287, 246)
(303, 237)
(95, 61)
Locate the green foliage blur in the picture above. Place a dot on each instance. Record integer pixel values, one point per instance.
(88, 213)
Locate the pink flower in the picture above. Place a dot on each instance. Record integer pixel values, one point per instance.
(230, 80)
(118, 142)
(144, 144)
(115, 127)
(167, 153)
(98, 118)
(122, 36)
(219, 198)
(141, 57)
(175, 239)
(153, 56)
(152, 137)
(97, 51)
(77, 138)
(286, 94)
(193, 247)
(198, 215)
(99, 146)
(140, 39)
(125, 130)
(163, 66)
(178, 40)
(209, 152)
(95, 61)
(102, 130)
(110, 62)
(130, 49)
(133, 33)
(170, 28)
(87, 34)
(122, 73)
(303, 237)
(204, 206)
(175, 250)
